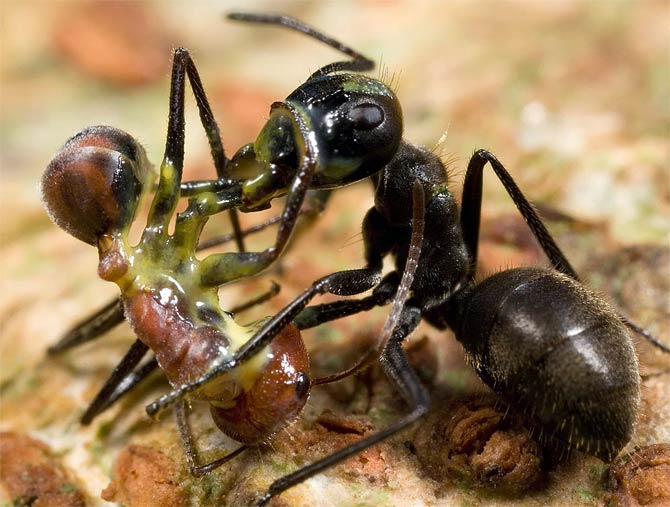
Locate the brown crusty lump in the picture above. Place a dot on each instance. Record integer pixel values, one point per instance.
(641, 478)
(32, 475)
(474, 442)
(145, 477)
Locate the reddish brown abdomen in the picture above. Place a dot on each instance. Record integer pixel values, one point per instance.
(184, 351)
(277, 395)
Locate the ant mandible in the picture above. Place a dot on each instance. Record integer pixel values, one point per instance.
(540, 339)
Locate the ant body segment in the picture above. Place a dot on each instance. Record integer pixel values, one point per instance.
(536, 336)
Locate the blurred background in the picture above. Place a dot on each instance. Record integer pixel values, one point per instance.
(573, 97)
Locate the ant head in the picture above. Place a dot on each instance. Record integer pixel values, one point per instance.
(356, 122)
(353, 125)
(93, 184)
(275, 398)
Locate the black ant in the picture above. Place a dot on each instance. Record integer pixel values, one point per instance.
(536, 336)
(540, 339)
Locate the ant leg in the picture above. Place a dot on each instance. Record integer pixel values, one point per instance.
(316, 315)
(168, 189)
(120, 373)
(470, 218)
(266, 296)
(402, 376)
(194, 187)
(214, 139)
(316, 205)
(167, 193)
(342, 283)
(101, 321)
(126, 385)
(644, 333)
(471, 210)
(194, 468)
(219, 240)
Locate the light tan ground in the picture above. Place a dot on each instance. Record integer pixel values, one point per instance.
(572, 97)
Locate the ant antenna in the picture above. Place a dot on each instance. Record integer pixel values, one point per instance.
(418, 222)
(359, 62)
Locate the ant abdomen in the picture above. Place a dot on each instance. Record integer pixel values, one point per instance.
(248, 404)
(93, 184)
(556, 351)
(274, 398)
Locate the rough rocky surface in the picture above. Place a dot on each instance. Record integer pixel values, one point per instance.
(31, 475)
(571, 96)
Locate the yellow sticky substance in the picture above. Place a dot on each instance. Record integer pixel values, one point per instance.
(165, 301)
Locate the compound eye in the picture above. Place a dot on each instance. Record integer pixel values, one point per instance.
(366, 116)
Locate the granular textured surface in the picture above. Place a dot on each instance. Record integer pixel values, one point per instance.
(571, 96)
(33, 476)
(641, 478)
(145, 477)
